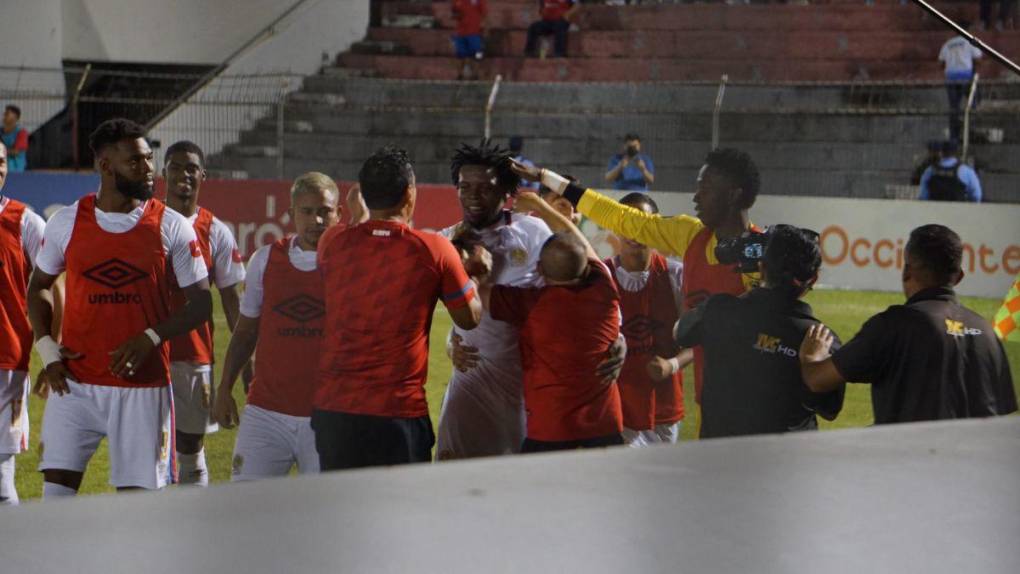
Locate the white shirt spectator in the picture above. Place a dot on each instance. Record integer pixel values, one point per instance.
(959, 55)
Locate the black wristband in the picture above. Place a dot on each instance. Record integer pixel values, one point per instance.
(573, 193)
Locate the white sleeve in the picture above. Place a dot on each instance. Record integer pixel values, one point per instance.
(182, 249)
(539, 233)
(33, 229)
(50, 257)
(251, 300)
(227, 265)
(942, 52)
(676, 273)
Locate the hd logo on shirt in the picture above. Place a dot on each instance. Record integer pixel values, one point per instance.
(958, 329)
(773, 345)
(114, 274)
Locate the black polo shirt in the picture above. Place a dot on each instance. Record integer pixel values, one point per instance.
(929, 359)
(752, 378)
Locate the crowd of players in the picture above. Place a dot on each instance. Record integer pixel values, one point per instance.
(552, 347)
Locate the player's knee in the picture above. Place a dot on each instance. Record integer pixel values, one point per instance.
(69, 478)
(188, 443)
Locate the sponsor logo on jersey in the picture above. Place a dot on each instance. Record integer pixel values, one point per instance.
(235, 256)
(518, 257)
(958, 329)
(773, 345)
(114, 274)
(301, 308)
(195, 250)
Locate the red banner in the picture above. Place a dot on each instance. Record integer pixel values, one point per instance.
(256, 210)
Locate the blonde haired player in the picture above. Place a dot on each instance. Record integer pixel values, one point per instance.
(282, 314)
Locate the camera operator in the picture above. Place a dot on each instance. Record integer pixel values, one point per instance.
(752, 376)
(928, 359)
(631, 170)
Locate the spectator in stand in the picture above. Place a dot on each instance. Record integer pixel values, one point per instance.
(1005, 21)
(15, 139)
(467, 42)
(556, 18)
(951, 179)
(958, 55)
(631, 170)
(517, 152)
(933, 157)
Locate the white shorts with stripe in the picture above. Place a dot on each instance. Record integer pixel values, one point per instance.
(270, 443)
(13, 411)
(193, 395)
(137, 424)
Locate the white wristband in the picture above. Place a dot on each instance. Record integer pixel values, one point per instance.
(554, 181)
(674, 363)
(49, 350)
(154, 336)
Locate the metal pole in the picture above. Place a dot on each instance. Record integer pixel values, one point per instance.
(279, 133)
(489, 105)
(966, 116)
(75, 119)
(969, 37)
(715, 112)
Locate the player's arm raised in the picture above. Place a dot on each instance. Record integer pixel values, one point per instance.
(530, 202)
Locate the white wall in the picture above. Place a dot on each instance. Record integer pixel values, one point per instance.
(31, 35)
(863, 239)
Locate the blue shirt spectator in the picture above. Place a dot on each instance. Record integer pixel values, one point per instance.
(631, 170)
(966, 175)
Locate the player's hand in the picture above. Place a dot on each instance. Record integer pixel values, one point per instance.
(54, 376)
(464, 357)
(817, 343)
(247, 376)
(127, 358)
(355, 205)
(527, 202)
(526, 172)
(224, 409)
(610, 368)
(659, 369)
(478, 263)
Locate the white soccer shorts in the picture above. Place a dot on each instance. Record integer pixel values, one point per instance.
(479, 418)
(13, 411)
(661, 434)
(193, 397)
(137, 423)
(270, 443)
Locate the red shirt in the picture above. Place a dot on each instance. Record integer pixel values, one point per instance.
(470, 14)
(290, 336)
(196, 345)
(564, 335)
(15, 330)
(648, 319)
(382, 281)
(117, 287)
(555, 9)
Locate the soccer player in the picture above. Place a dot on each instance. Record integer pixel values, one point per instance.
(727, 187)
(483, 409)
(651, 384)
(282, 320)
(566, 327)
(191, 355)
(382, 281)
(110, 374)
(21, 234)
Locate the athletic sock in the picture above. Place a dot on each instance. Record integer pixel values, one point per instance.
(8, 492)
(192, 468)
(54, 490)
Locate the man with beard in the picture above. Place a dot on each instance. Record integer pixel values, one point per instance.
(483, 411)
(21, 233)
(191, 355)
(110, 374)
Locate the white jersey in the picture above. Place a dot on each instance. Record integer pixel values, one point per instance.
(176, 232)
(251, 301)
(227, 266)
(32, 229)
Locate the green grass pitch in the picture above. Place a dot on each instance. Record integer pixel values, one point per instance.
(844, 311)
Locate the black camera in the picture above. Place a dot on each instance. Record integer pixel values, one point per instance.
(632, 151)
(744, 251)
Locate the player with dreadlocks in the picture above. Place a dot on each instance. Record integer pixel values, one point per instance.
(483, 411)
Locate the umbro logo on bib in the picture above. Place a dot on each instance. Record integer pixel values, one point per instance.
(114, 273)
(301, 308)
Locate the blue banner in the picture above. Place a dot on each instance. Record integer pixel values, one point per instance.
(47, 192)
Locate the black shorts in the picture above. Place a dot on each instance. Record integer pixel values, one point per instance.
(531, 445)
(353, 441)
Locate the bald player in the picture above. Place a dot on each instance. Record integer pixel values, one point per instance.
(21, 235)
(282, 321)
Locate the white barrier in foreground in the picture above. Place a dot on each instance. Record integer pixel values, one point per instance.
(906, 498)
(863, 239)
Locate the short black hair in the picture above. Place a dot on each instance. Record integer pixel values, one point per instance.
(487, 154)
(740, 169)
(13, 108)
(631, 137)
(792, 258)
(385, 177)
(938, 250)
(516, 144)
(636, 198)
(184, 146)
(112, 131)
(950, 147)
